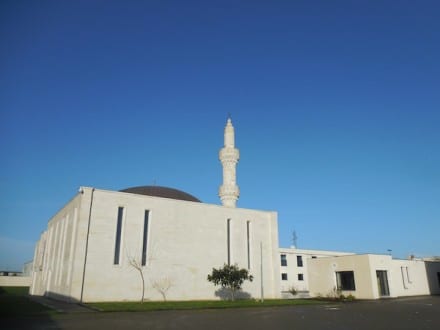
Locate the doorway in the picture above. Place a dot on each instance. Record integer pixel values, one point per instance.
(382, 283)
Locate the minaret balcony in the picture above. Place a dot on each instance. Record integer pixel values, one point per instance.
(229, 154)
(228, 190)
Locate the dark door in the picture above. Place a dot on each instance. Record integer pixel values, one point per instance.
(382, 283)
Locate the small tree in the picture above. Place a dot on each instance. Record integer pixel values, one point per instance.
(230, 277)
(136, 264)
(163, 285)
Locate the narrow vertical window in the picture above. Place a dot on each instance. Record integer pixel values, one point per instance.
(228, 229)
(145, 238)
(248, 240)
(299, 261)
(118, 236)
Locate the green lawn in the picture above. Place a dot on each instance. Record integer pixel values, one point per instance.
(176, 305)
(14, 301)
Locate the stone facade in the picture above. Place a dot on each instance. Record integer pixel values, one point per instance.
(75, 255)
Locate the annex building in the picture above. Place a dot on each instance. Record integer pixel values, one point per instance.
(107, 245)
(316, 273)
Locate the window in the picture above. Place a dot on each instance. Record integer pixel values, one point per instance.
(283, 260)
(313, 257)
(300, 277)
(345, 281)
(248, 240)
(118, 236)
(299, 261)
(228, 240)
(145, 238)
(284, 276)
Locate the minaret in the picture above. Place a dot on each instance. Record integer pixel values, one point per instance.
(229, 156)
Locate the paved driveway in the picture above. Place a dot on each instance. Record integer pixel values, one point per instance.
(409, 313)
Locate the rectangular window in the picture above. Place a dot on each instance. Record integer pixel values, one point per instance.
(313, 257)
(228, 242)
(248, 240)
(345, 281)
(118, 236)
(299, 261)
(283, 260)
(145, 238)
(284, 276)
(300, 277)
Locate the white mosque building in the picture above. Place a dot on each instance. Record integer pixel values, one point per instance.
(102, 243)
(93, 246)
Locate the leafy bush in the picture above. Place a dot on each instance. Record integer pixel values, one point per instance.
(231, 277)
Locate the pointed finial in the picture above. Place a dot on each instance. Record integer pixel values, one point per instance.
(229, 121)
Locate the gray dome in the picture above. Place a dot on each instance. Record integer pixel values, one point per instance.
(165, 192)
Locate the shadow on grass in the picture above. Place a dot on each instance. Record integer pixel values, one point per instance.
(225, 294)
(18, 311)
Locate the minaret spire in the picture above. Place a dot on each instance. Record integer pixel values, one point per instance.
(229, 156)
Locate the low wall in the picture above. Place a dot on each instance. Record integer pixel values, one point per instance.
(15, 280)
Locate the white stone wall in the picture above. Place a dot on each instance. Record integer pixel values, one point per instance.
(322, 275)
(409, 278)
(58, 258)
(15, 281)
(186, 240)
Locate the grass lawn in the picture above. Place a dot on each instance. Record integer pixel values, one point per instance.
(14, 301)
(176, 305)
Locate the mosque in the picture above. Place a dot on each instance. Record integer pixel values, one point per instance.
(161, 243)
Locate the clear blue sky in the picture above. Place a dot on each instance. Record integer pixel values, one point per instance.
(336, 106)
